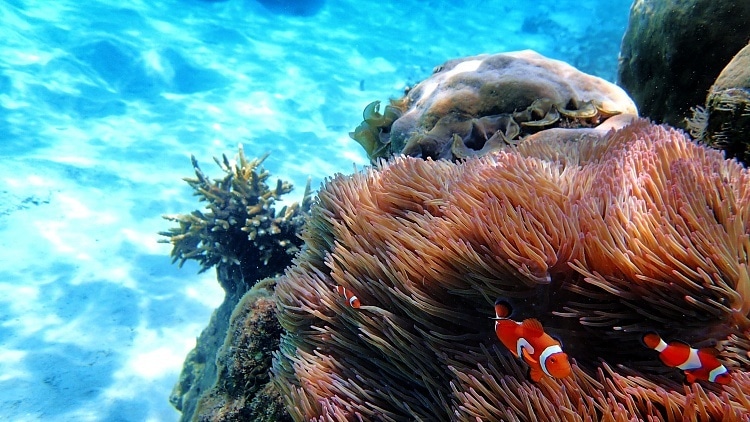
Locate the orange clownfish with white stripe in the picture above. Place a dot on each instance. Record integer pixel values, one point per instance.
(698, 364)
(351, 298)
(528, 341)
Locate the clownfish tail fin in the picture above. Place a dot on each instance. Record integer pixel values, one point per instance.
(502, 309)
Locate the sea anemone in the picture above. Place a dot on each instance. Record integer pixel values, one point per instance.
(602, 238)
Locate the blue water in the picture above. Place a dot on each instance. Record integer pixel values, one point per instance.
(101, 105)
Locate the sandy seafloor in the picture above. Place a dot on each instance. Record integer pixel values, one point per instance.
(101, 105)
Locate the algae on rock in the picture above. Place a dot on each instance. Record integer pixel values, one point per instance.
(476, 105)
(243, 390)
(724, 122)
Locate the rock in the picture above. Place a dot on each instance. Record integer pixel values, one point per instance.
(725, 121)
(673, 51)
(242, 390)
(474, 105)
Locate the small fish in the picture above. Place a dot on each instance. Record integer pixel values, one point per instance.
(528, 341)
(698, 364)
(350, 297)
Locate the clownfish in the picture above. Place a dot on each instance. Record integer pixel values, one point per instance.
(528, 341)
(698, 364)
(350, 297)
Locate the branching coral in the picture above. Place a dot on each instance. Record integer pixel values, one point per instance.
(240, 227)
(602, 238)
(241, 234)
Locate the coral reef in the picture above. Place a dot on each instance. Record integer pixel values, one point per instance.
(242, 390)
(475, 105)
(673, 50)
(602, 238)
(241, 228)
(373, 134)
(724, 122)
(241, 235)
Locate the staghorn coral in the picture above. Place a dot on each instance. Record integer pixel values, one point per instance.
(725, 120)
(246, 240)
(602, 238)
(475, 105)
(241, 228)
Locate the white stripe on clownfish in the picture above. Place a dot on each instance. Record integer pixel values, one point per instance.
(549, 351)
(521, 344)
(350, 297)
(716, 372)
(524, 339)
(692, 362)
(698, 364)
(661, 345)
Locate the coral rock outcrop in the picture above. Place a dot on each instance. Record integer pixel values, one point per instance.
(241, 235)
(242, 390)
(724, 122)
(673, 50)
(475, 105)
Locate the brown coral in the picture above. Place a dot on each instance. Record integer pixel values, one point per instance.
(725, 121)
(673, 50)
(602, 238)
(475, 105)
(240, 227)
